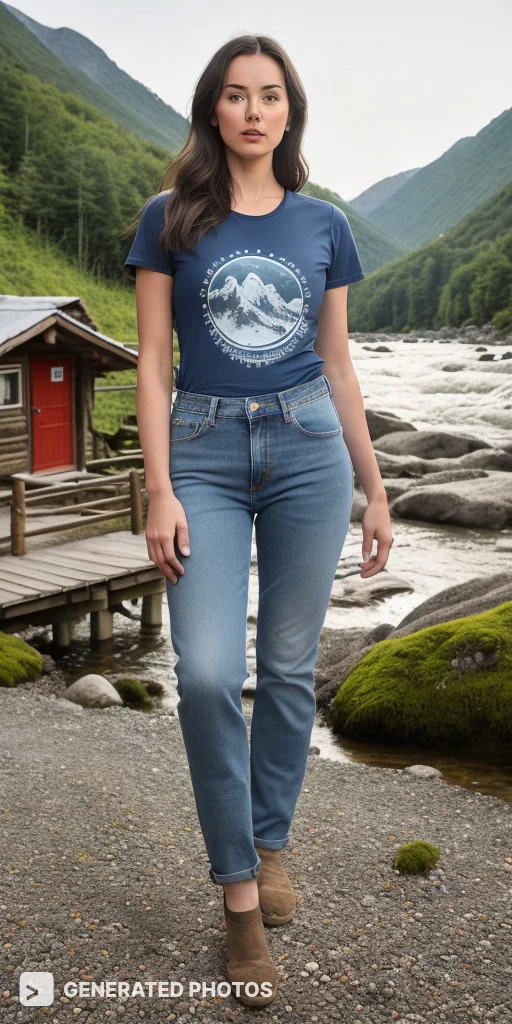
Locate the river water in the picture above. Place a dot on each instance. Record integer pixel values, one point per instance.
(433, 385)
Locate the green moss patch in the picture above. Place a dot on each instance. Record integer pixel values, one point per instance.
(133, 694)
(416, 858)
(447, 686)
(19, 662)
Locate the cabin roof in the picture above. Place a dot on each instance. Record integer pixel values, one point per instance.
(21, 315)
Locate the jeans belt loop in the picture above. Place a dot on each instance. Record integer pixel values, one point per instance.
(284, 406)
(327, 381)
(213, 411)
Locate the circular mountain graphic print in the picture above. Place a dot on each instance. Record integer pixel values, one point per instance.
(255, 305)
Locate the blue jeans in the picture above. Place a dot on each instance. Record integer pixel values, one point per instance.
(278, 460)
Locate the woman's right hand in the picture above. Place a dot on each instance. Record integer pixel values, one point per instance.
(166, 520)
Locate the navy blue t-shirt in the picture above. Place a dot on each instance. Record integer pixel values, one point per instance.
(246, 301)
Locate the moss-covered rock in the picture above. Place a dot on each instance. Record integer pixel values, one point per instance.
(133, 694)
(19, 662)
(416, 858)
(448, 686)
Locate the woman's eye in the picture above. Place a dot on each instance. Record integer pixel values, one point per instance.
(236, 95)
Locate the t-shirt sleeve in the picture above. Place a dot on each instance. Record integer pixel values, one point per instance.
(146, 250)
(345, 266)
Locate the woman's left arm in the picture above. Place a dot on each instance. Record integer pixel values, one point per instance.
(332, 346)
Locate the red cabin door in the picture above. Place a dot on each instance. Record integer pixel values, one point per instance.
(52, 419)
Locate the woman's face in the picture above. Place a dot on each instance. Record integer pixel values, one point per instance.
(253, 96)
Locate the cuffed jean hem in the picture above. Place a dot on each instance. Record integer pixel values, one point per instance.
(235, 876)
(271, 844)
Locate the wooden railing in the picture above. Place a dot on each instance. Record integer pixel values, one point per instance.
(26, 506)
(121, 459)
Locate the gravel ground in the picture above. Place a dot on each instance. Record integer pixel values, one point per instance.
(104, 878)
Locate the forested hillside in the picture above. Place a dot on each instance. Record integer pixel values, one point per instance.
(71, 174)
(79, 179)
(133, 107)
(81, 67)
(439, 195)
(466, 274)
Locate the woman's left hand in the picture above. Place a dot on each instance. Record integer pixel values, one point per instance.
(376, 524)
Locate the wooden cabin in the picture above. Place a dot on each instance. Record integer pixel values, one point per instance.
(50, 353)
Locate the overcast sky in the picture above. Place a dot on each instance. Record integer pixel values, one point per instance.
(390, 86)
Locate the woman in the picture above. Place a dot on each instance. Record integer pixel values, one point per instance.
(265, 429)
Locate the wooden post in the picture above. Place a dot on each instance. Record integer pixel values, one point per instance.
(136, 502)
(151, 617)
(102, 624)
(62, 632)
(18, 518)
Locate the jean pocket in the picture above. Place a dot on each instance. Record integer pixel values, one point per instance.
(185, 425)
(319, 418)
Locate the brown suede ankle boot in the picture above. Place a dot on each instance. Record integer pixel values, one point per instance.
(249, 962)
(277, 898)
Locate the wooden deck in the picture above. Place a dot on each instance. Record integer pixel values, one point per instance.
(59, 583)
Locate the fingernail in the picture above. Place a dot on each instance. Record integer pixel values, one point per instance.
(186, 551)
(367, 556)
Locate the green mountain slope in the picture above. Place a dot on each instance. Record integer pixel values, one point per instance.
(109, 89)
(375, 247)
(72, 174)
(377, 194)
(439, 195)
(79, 178)
(465, 274)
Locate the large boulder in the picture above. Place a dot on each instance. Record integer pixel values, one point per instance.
(482, 502)
(341, 649)
(445, 476)
(395, 486)
(400, 465)
(494, 458)
(429, 444)
(478, 594)
(448, 687)
(380, 423)
(415, 467)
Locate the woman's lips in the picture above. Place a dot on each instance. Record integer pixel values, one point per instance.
(252, 135)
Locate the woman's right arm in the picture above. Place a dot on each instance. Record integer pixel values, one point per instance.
(166, 517)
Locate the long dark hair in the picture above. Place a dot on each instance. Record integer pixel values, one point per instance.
(198, 175)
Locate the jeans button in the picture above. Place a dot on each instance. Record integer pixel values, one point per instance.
(254, 405)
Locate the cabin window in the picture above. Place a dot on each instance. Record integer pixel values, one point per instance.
(10, 386)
